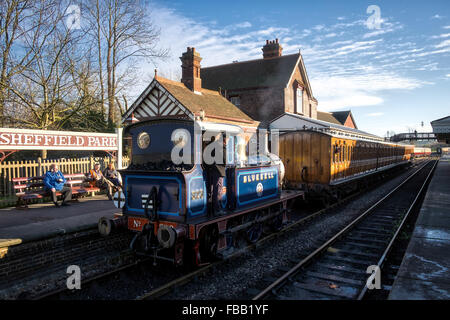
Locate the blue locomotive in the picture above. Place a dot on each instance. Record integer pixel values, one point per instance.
(167, 199)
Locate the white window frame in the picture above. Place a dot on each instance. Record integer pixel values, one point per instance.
(235, 99)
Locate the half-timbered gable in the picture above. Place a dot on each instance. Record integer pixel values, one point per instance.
(156, 101)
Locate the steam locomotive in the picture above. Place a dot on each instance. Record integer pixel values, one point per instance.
(167, 199)
(169, 205)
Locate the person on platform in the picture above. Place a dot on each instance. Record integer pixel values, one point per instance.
(215, 175)
(100, 181)
(54, 182)
(112, 175)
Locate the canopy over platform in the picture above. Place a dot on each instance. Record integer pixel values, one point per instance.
(441, 128)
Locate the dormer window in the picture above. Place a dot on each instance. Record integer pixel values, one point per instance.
(236, 101)
(299, 100)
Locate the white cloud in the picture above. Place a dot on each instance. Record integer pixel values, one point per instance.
(387, 28)
(429, 67)
(335, 92)
(437, 16)
(319, 27)
(245, 24)
(443, 44)
(375, 114)
(444, 35)
(446, 27)
(341, 18)
(330, 35)
(376, 33)
(448, 75)
(424, 54)
(352, 101)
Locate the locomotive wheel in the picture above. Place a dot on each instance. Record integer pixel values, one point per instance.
(277, 223)
(208, 238)
(254, 233)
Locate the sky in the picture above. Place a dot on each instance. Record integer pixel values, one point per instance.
(386, 61)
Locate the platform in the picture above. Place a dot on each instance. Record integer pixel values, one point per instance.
(424, 273)
(44, 220)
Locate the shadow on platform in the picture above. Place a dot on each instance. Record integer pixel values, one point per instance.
(44, 220)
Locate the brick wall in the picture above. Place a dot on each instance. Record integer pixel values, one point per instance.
(41, 266)
(263, 104)
(349, 123)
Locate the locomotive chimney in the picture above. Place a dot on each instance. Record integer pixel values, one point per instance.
(190, 65)
(272, 49)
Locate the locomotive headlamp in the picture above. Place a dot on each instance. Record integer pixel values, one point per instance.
(143, 140)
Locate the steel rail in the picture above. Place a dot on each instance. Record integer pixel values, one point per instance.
(329, 242)
(394, 238)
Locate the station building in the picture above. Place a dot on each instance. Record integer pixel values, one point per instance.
(271, 87)
(271, 92)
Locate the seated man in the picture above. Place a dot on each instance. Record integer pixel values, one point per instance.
(112, 175)
(100, 181)
(54, 182)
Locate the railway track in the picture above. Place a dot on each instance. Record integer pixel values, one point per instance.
(176, 283)
(339, 268)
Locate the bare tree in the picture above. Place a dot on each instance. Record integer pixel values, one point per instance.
(14, 23)
(124, 35)
(45, 93)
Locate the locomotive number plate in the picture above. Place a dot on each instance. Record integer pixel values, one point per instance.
(136, 224)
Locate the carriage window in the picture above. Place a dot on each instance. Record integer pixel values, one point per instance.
(336, 154)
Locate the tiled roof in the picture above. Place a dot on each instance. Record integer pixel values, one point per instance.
(273, 72)
(214, 104)
(328, 117)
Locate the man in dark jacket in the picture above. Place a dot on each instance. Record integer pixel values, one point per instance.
(54, 182)
(215, 175)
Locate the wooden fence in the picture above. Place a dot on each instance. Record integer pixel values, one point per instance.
(32, 168)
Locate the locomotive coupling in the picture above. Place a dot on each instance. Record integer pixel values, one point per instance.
(106, 226)
(168, 235)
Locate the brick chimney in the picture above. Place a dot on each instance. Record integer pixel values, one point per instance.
(272, 49)
(190, 65)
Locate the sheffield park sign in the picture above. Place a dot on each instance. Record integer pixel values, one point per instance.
(23, 139)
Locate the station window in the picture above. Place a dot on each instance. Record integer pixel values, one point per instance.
(236, 100)
(299, 100)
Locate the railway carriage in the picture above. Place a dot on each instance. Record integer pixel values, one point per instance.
(420, 152)
(326, 165)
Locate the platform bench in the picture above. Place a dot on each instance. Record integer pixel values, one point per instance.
(30, 188)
